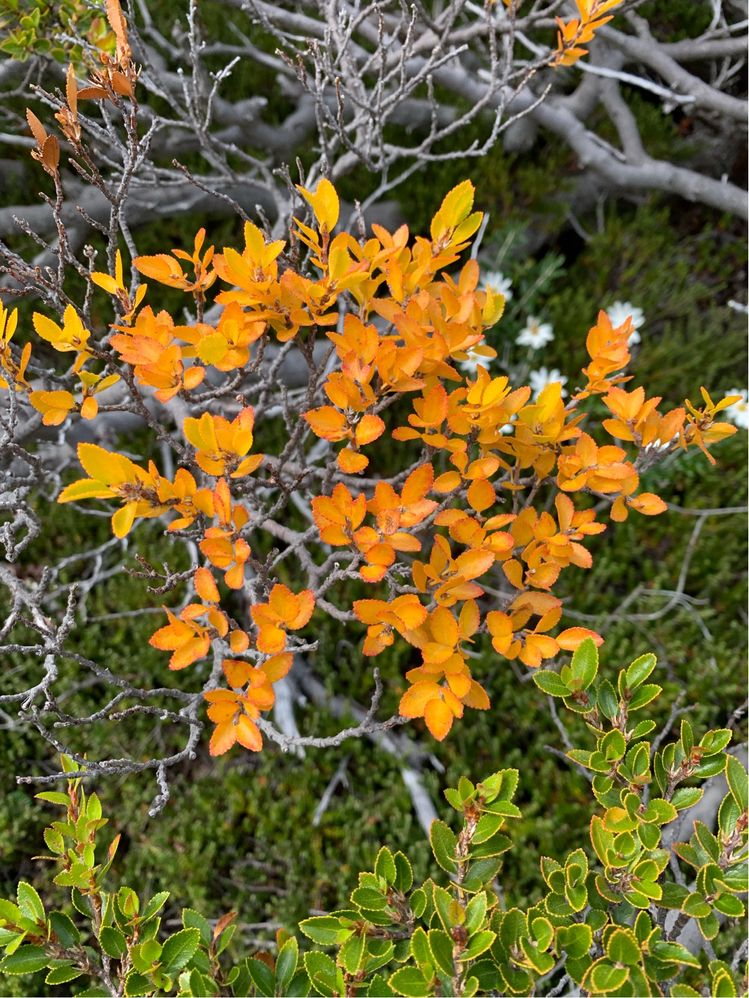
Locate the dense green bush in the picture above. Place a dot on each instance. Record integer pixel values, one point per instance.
(603, 923)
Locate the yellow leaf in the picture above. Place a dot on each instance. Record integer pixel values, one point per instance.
(86, 488)
(324, 203)
(454, 209)
(122, 521)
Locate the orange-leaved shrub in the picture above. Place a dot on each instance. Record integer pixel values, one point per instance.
(496, 492)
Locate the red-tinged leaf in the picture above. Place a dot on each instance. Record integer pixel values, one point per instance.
(223, 923)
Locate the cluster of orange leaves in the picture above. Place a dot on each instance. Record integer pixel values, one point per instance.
(578, 31)
(433, 533)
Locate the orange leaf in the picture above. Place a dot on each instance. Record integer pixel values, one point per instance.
(574, 636)
(248, 734)
(439, 718)
(205, 585)
(648, 504)
(352, 462)
(368, 429)
(223, 737)
(328, 423)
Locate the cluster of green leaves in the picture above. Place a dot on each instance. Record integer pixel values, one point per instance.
(35, 27)
(603, 920)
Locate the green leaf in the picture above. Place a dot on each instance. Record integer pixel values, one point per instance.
(728, 904)
(673, 953)
(738, 781)
(29, 903)
(25, 960)
(421, 952)
(613, 746)
(475, 912)
(64, 928)
(641, 729)
(63, 974)
(325, 930)
(369, 898)
(686, 736)
(575, 940)
(179, 949)
(441, 948)
(378, 987)
(322, 973)
(541, 962)
(710, 926)
(550, 683)
(584, 664)
(622, 947)
(192, 919)
(351, 954)
(478, 944)
(9, 912)
(112, 941)
(262, 977)
(644, 695)
(686, 797)
(128, 901)
(715, 741)
(443, 841)
(711, 766)
(286, 963)
(604, 977)
(410, 982)
(639, 670)
(385, 865)
(454, 799)
(542, 931)
(93, 808)
(54, 797)
(137, 985)
(155, 905)
(488, 825)
(500, 785)
(608, 703)
(404, 877)
(658, 812)
(480, 873)
(512, 926)
(695, 906)
(722, 985)
(146, 954)
(54, 841)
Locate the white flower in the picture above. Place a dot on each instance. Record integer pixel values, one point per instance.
(536, 334)
(471, 364)
(738, 413)
(497, 281)
(620, 311)
(542, 377)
